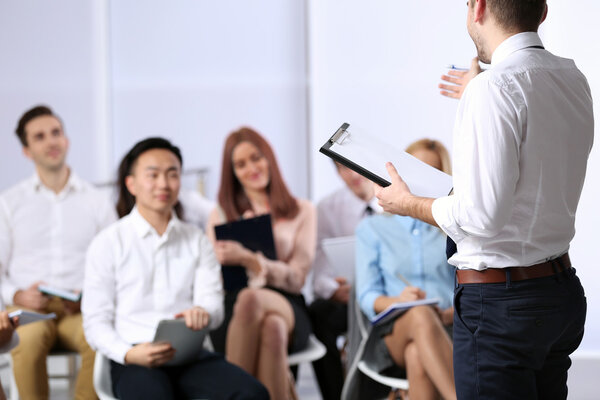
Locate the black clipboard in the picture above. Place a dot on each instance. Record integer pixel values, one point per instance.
(367, 156)
(255, 234)
(325, 149)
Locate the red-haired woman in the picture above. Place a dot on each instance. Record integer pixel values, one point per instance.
(269, 317)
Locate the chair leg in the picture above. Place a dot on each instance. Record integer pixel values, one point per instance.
(14, 392)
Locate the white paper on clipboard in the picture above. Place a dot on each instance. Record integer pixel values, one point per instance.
(371, 153)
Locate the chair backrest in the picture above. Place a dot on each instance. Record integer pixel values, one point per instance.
(314, 350)
(102, 380)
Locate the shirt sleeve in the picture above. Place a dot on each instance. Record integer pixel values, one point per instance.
(369, 277)
(98, 302)
(324, 283)
(290, 275)
(7, 287)
(208, 285)
(486, 167)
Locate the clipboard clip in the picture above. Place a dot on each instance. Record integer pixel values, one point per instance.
(341, 134)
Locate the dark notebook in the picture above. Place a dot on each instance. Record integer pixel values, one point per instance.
(255, 234)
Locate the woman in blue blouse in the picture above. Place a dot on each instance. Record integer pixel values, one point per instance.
(392, 250)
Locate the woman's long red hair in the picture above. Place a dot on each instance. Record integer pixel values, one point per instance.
(232, 197)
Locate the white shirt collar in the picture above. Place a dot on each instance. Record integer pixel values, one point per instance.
(74, 182)
(514, 43)
(143, 227)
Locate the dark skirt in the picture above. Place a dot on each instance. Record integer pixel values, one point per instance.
(302, 327)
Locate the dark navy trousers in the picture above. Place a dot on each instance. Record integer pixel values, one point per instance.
(513, 340)
(211, 377)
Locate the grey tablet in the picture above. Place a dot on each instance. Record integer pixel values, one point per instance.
(186, 342)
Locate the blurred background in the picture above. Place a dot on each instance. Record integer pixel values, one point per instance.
(194, 70)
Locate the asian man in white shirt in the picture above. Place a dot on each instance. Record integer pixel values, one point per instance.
(151, 266)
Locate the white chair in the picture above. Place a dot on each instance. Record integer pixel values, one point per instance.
(361, 363)
(313, 351)
(102, 381)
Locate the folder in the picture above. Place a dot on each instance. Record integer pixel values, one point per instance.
(27, 317)
(397, 309)
(63, 294)
(187, 343)
(367, 156)
(255, 234)
(340, 253)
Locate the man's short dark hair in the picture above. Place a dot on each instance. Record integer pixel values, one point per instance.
(35, 112)
(517, 15)
(126, 201)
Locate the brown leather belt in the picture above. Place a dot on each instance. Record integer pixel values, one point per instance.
(498, 275)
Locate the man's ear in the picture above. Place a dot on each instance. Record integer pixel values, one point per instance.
(129, 184)
(479, 11)
(545, 14)
(26, 152)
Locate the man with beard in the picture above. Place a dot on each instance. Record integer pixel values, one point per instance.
(522, 137)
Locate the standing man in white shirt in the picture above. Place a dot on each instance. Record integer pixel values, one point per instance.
(338, 214)
(151, 266)
(46, 224)
(523, 134)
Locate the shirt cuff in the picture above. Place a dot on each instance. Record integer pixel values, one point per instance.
(118, 352)
(442, 214)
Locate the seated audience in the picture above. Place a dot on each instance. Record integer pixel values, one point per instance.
(338, 214)
(150, 266)
(391, 252)
(270, 317)
(46, 225)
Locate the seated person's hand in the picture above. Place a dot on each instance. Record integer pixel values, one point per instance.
(71, 307)
(230, 252)
(150, 354)
(342, 293)
(7, 327)
(196, 318)
(411, 293)
(459, 80)
(31, 298)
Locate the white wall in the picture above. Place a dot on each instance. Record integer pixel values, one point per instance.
(194, 71)
(49, 53)
(376, 65)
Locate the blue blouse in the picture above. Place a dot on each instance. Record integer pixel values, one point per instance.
(388, 245)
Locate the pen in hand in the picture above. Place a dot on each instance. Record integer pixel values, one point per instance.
(403, 279)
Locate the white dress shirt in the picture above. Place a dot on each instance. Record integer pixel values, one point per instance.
(136, 278)
(523, 133)
(44, 235)
(338, 215)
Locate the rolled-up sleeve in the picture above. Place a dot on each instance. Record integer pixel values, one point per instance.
(486, 163)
